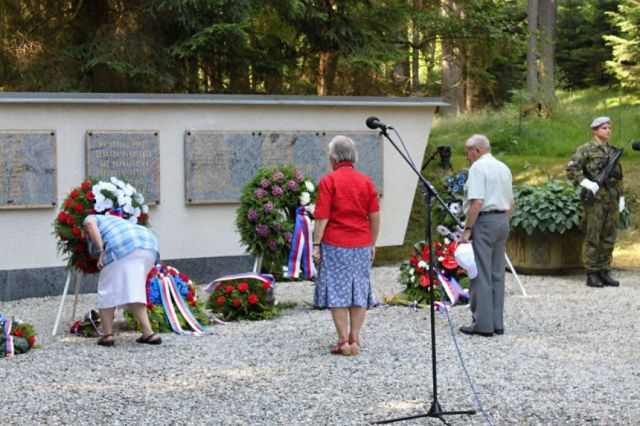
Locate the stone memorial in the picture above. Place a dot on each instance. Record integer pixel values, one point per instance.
(27, 169)
(218, 164)
(133, 156)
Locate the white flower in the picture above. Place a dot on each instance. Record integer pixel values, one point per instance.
(133, 219)
(128, 208)
(136, 212)
(411, 272)
(129, 190)
(455, 209)
(309, 185)
(145, 208)
(103, 205)
(423, 264)
(441, 258)
(305, 198)
(138, 197)
(117, 182)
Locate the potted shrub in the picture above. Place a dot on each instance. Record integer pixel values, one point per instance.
(545, 228)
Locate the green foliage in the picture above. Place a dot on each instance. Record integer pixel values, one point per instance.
(159, 322)
(553, 207)
(625, 64)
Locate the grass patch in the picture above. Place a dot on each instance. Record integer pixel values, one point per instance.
(536, 149)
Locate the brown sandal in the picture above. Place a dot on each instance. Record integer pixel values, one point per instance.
(148, 340)
(355, 347)
(104, 342)
(341, 348)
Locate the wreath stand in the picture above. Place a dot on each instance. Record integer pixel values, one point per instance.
(79, 275)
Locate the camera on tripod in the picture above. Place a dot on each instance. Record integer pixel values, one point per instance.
(444, 152)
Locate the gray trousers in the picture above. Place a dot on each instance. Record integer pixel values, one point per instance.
(489, 236)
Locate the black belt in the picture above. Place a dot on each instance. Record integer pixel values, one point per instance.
(491, 212)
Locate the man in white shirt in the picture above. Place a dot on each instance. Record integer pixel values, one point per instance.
(488, 205)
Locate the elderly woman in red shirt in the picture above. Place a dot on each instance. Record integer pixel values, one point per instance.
(347, 220)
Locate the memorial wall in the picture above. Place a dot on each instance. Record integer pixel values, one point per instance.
(190, 156)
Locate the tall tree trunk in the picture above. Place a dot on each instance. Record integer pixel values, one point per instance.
(415, 51)
(532, 52)
(327, 67)
(452, 80)
(548, 10)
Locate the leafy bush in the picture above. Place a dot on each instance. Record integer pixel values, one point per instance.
(553, 207)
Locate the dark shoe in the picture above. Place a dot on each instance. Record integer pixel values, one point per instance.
(499, 331)
(104, 342)
(470, 331)
(149, 340)
(594, 280)
(607, 280)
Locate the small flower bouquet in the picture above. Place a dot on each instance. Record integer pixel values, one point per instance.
(267, 214)
(94, 197)
(16, 337)
(158, 317)
(243, 298)
(414, 274)
(452, 192)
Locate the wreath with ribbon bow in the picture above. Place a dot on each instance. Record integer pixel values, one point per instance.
(267, 214)
(94, 197)
(16, 337)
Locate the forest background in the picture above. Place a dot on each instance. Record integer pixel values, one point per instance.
(530, 74)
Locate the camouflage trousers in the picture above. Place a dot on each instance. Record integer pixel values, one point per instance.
(600, 221)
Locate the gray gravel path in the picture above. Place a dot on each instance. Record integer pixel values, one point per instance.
(570, 355)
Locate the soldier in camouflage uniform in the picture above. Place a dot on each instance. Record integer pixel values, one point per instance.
(600, 218)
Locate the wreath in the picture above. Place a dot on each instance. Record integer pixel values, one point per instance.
(266, 217)
(155, 309)
(243, 298)
(22, 336)
(94, 197)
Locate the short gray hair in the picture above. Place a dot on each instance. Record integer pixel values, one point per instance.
(478, 141)
(342, 148)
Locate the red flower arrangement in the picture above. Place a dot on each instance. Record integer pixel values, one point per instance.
(23, 334)
(93, 197)
(243, 298)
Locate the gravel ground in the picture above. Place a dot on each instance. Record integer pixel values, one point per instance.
(569, 355)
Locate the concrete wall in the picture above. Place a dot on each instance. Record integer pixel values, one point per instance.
(192, 231)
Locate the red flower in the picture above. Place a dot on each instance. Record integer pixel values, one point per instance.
(252, 299)
(228, 289)
(67, 202)
(424, 280)
(62, 216)
(19, 332)
(91, 211)
(242, 287)
(236, 303)
(70, 220)
(220, 300)
(439, 252)
(413, 260)
(76, 231)
(79, 248)
(74, 193)
(266, 285)
(90, 196)
(78, 207)
(32, 341)
(80, 265)
(85, 185)
(149, 305)
(143, 217)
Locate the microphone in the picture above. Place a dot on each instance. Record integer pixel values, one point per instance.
(635, 145)
(375, 123)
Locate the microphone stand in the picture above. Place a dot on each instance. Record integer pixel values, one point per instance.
(430, 193)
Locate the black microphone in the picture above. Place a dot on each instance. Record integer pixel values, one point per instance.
(375, 123)
(635, 145)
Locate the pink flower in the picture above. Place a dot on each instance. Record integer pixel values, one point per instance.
(260, 193)
(277, 176)
(288, 237)
(276, 227)
(265, 183)
(252, 215)
(276, 191)
(262, 230)
(292, 185)
(298, 176)
(273, 245)
(268, 207)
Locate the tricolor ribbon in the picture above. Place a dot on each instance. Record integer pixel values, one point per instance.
(8, 338)
(265, 278)
(169, 295)
(452, 288)
(301, 247)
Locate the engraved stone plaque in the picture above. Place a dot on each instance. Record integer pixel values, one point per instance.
(27, 169)
(133, 156)
(218, 164)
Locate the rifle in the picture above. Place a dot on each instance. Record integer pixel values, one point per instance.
(606, 171)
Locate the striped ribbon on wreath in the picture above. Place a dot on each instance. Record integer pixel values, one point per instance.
(169, 294)
(301, 247)
(6, 328)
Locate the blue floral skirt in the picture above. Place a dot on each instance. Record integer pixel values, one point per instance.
(343, 277)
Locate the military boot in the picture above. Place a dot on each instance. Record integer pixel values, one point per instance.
(607, 280)
(594, 280)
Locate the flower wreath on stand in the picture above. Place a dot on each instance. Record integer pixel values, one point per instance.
(172, 303)
(16, 337)
(414, 274)
(243, 296)
(267, 214)
(94, 197)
